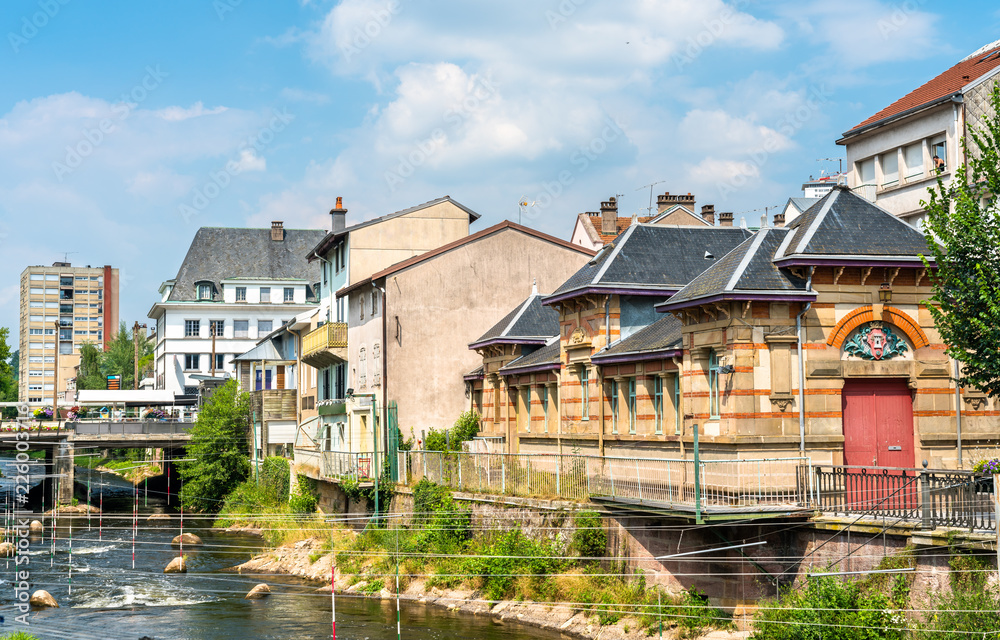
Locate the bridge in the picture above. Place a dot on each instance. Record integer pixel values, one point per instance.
(60, 441)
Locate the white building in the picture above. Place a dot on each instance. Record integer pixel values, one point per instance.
(240, 283)
(897, 153)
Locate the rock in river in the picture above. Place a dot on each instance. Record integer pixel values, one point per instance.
(36, 527)
(177, 565)
(7, 549)
(260, 591)
(186, 538)
(42, 598)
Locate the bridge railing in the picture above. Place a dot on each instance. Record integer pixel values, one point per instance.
(932, 497)
(145, 427)
(357, 465)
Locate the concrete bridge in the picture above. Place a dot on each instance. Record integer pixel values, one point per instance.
(60, 444)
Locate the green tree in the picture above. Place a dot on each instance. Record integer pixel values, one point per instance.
(8, 379)
(963, 218)
(219, 449)
(89, 375)
(15, 363)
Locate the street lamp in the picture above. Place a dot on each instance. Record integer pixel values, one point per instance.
(885, 292)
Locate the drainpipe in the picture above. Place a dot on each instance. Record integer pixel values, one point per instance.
(802, 370)
(958, 414)
(385, 379)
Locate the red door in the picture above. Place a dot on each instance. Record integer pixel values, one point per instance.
(878, 432)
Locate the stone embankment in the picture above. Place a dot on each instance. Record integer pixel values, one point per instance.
(307, 560)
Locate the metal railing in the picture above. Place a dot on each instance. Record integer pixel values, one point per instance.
(346, 464)
(932, 497)
(331, 335)
(720, 484)
(149, 428)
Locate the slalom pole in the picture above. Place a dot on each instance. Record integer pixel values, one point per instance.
(100, 514)
(70, 564)
(88, 499)
(135, 521)
(333, 594)
(399, 633)
(180, 551)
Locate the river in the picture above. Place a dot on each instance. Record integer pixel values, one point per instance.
(105, 598)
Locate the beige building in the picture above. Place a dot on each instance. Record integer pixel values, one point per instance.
(62, 307)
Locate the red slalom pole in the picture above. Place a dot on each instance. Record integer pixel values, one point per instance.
(333, 595)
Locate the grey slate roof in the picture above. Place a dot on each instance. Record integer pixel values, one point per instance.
(318, 247)
(527, 321)
(654, 257)
(845, 225)
(746, 272)
(662, 335)
(219, 253)
(547, 357)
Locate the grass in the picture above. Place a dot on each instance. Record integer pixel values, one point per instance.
(18, 635)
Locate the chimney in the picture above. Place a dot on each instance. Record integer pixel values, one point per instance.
(708, 214)
(609, 217)
(277, 231)
(779, 219)
(339, 216)
(726, 219)
(666, 201)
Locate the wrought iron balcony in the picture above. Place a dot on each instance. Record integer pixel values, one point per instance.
(325, 346)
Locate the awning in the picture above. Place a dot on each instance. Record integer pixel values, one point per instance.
(125, 396)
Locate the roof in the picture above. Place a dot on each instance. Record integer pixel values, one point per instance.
(662, 336)
(746, 273)
(595, 231)
(938, 89)
(220, 253)
(528, 323)
(651, 259)
(844, 227)
(547, 357)
(263, 351)
(497, 228)
(475, 374)
(323, 245)
(802, 203)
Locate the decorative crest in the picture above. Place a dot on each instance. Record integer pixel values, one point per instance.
(875, 341)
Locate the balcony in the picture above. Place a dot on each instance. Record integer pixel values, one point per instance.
(325, 346)
(274, 404)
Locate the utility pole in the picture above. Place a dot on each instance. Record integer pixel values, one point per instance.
(55, 378)
(135, 343)
(211, 329)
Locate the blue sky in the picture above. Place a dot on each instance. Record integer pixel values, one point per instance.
(125, 126)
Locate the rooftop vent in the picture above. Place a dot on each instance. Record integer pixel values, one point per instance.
(277, 231)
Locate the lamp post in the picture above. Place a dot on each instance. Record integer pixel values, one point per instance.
(885, 293)
(135, 341)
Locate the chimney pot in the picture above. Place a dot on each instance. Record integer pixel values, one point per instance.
(609, 217)
(708, 213)
(779, 219)
(277, 231)
(338, 216)
(726, 219)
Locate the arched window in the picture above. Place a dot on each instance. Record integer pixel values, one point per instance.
(205, 290)
(362, 369)
(713, 385)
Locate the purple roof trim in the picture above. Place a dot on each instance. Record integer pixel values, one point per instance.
(848, 262)
(473, 376)
(635, 356)
(735, 295)
(504, 371)
(486, 343)
(626, 291)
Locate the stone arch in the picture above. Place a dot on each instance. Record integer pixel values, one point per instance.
(892, 315)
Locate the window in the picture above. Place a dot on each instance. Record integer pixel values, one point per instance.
(289, 294)
(713, 385)
(34, 332)
(658, 403)
(192, 328)
(614, 406)
(34, 345)
(265, 294)
(362, 369)
(376, 365)
(52, 277)
(37, 291)
(36, 276)
(34, 387)
(374, 303)
(913, 157)
(65, 348)
(361, 307)
(340, 310)
(50, 332)
(584, 393)
(496, 404)
(35, 318)
(241, 294)
(35, 359)
(216, 328)
(32, 374)
(264, 327)
(204, 292)
(940, 150)
(544, 393)
(241, 328)
(220, 361)
(192, 361)
(890, 169)
(631, 405)
(36, 304)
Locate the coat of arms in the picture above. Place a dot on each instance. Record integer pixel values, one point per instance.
(875, 341)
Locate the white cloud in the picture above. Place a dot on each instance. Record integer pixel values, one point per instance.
(250, 161)
(176, 114)
(301, 95)
(716, 131)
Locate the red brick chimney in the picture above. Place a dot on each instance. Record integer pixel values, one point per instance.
(609, 217)
(708, 214)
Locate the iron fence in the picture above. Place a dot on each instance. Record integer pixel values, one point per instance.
(728, 483)
(345, 464)
(146, 427)
(934, 497)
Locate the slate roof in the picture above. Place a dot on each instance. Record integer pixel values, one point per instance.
(746, 273)
(323, 244)
(652, 258)
(475, 374)
(529, 321)
(939, 88)
(547, 357)
(220, 253)
(662, 335)
(844, 226)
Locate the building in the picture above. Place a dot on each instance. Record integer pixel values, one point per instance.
(409, 327)
(545, 398)
(595, 229)
(234, 287)
(895, 155)
(83, 301)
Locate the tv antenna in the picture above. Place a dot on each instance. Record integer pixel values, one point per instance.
(839, 161)
(66, 255)
(649, 210)
(765, 209)
(523, 202)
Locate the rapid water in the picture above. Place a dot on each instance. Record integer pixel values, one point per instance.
(105, 598)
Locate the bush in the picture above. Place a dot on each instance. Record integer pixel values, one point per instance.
(972, 606)
(464, 429)
(274, 477)
(590, 540)
(304, 499)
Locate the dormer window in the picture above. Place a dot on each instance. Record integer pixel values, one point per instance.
(204, 291)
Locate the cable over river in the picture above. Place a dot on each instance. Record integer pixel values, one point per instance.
(105, 598)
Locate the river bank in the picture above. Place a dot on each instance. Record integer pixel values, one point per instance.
(311, 561)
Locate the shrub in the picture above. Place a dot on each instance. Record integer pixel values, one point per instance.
(590, 540)
(971, 607)
(304, 499)
(274, 477)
